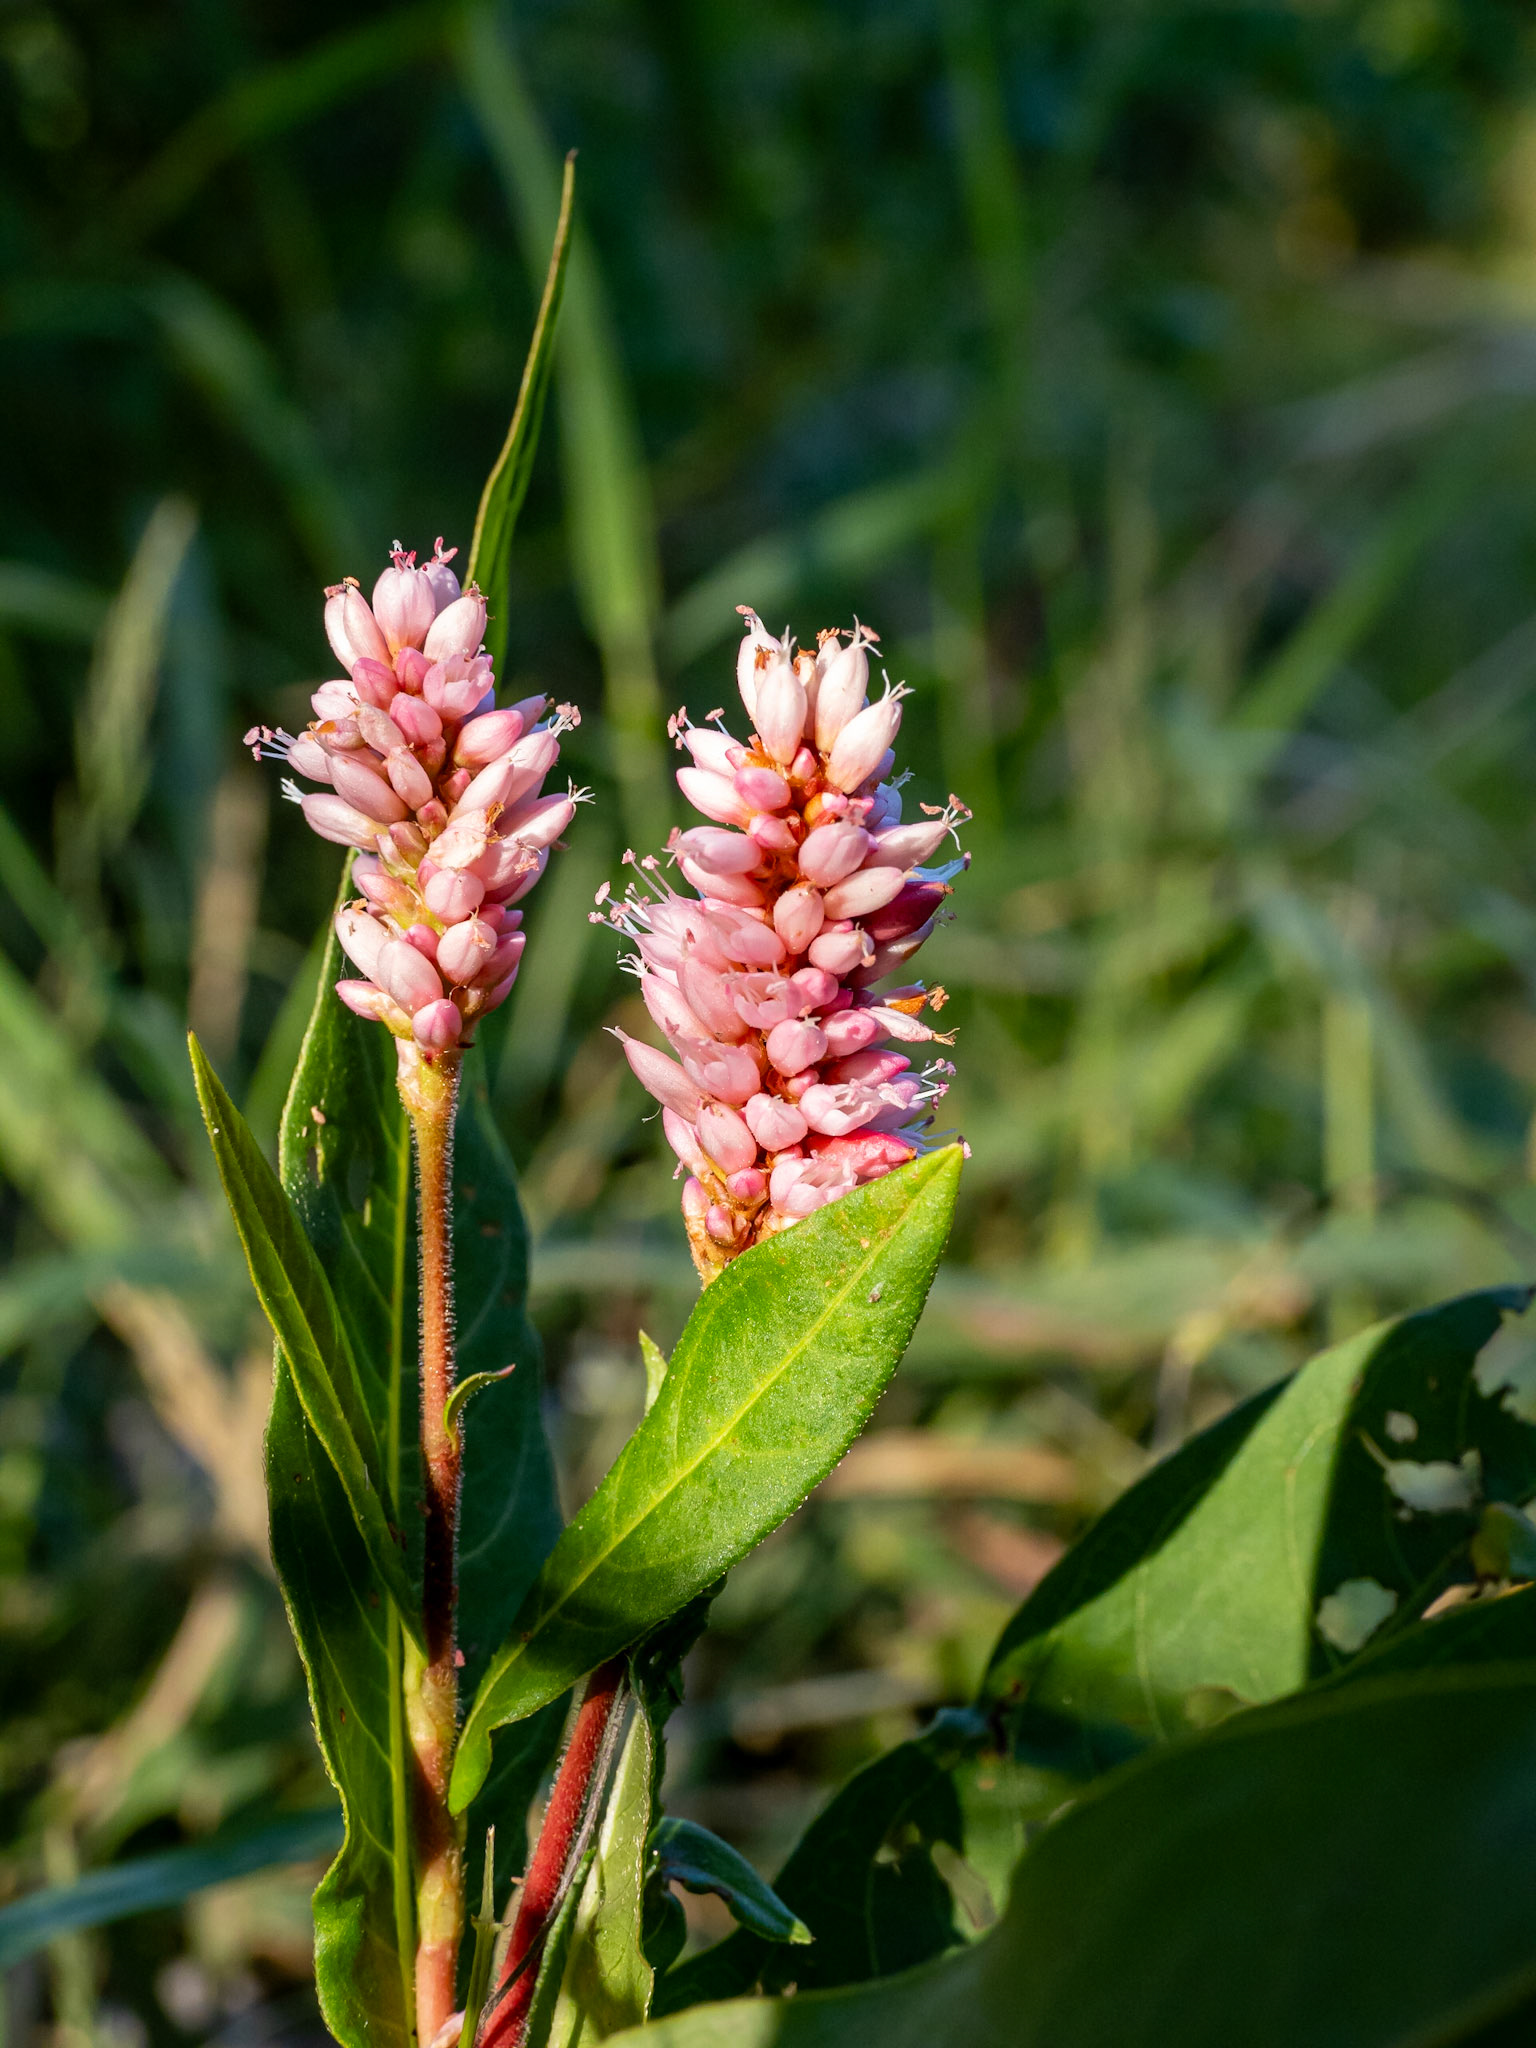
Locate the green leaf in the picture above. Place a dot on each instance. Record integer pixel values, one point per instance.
(490, 550)
(293, 1290)
(861, 1880)
(780, 1364)
(681, 1852)
(1268, 1884)
(145, 1883)
(605, 1985)
(465, 1391)
(1223, 1610)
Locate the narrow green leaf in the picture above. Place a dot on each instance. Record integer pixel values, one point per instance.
(485, 1927)
(292, 1288)
(781, 1362)
(655, 1369)
(466, 1390)
(490, 551)
(146, 1883)
(684, 1853)
(1223, 1610)
(1268, 1884)
(861, 1879)
(605, 1985)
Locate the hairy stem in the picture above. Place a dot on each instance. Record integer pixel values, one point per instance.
(569, 1803)
(429, 1086)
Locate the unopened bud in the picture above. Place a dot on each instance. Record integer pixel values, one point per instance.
(864, 741)
(352, 629)
(436, 1026)
(780, 714)
(458, 628)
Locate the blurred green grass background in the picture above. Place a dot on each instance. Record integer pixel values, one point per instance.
(1157, 375)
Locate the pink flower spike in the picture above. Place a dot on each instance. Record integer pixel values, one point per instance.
(437, 1026)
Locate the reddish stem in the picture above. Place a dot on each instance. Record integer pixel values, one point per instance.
(429, 1089)
(563, 1818)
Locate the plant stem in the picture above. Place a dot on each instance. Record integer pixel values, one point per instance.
(429, 1086)
(563, 1819)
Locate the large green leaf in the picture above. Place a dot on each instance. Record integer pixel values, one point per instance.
(1271, 1883)
(292, 1287)
(780, 1364)
(862, 1880)
(1224, 1609)
(345, 1157)
(143, 1883)
(507, 485)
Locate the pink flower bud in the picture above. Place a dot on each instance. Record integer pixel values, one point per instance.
(529, 709)
(695, 1204)
(709, 998)
(436, 1026)
(905, 846)
(841, 692)
(366, 791)
(672, 1011)
(758, 641)
(795, 1045)
(832, 852)
(712, 794)
(723, 1226)
(780, 711)
(335, 819)
(798, 916)
(870, 1066)
(403, 604)
(851, 1030)
(419, 724)
(464, 842)
(362, 937)
(712, 749)
(454, 785)
(455, 697)
(410, 979)
(375, 683)
(486, 738)
(728, 1072)
(725, 1138)
(837, 1110)
(385, 893)
(365, 1000)
(804, 766)
(351, 628)
(452, 895)
(774, 1123)
(501, 969)
(517, 772)
(334, 700)
(537, 822)
(660, 1076)
(868, 890)
(864, 741)
(514, 871)
(760, 789)
(717, 851)
(684, 1140)
(774, 835)
(841, 952)
(408, 840)
(411, 670)
(895, 953)
(424, 939)
(869, 1155)
(913, 905)
(458, 628)
(378, 730)
(749, 1185)
(735, 889)
(750, 944)
(407, 778)
(308, 758)
(464, 949)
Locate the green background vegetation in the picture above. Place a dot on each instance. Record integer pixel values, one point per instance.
(1157, 377)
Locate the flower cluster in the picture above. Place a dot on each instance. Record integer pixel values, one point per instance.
(441, 793)
(788, 1088)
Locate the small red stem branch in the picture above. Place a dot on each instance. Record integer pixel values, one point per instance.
(563, 1818)
(429, 1089)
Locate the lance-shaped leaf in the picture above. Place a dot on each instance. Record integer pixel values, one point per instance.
(507, 485)
(292, 1288)
(780, 1364)
(1220, 1602)
(1269, 1883)
(684, 1853)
